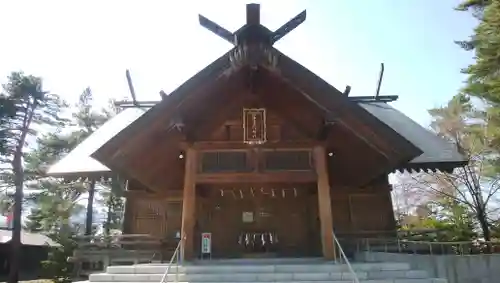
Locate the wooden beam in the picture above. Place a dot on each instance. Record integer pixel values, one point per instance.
(239, 145)
(274, 177)
(189, 204)
(168, 195)
(253, 14)
(128, 216)
(324, 203)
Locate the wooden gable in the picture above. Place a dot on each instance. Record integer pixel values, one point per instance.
(151, 155)
(278, 128)
(254, 74)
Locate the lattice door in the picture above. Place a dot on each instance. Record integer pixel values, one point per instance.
(150, 218)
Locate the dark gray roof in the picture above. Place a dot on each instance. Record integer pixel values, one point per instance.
(435, 149)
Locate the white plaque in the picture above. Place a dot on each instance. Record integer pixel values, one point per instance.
(247, 217)
(206, 243)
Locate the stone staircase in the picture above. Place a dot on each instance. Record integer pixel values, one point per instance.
(261, 270)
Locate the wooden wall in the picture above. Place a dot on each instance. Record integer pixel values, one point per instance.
(157, 217)
(363, 212)
(278, 129)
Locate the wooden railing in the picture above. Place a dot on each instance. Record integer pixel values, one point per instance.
(116, 241)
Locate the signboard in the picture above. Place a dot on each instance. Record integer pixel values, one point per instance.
(254, 126)
(206, 243)
(247, 217)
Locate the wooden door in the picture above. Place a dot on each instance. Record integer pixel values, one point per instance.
(291, 226)
(233, 216)
(174, 219)
(150, 217)
(221, 217)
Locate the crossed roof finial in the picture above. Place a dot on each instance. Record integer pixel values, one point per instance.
(253, 31)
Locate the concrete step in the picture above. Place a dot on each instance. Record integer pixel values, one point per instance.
(237, 268)
(267, 270)
(262, 261)
(260, 277)
(429, 280)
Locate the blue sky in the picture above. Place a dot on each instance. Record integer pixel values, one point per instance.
(75, 44)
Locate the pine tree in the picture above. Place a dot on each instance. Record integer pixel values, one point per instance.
(7, 113)
(35, 109)
(56, 202)
(483, 80)
(88, 120)
(55, 145)
(113, 200)
(54, 199)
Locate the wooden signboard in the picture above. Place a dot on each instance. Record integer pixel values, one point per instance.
(254, 126)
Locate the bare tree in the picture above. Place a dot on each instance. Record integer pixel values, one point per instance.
(475, 184)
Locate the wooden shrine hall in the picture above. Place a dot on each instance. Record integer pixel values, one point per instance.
(261, 153)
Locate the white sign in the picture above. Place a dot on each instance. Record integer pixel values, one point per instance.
(247, 217)
(206, 243)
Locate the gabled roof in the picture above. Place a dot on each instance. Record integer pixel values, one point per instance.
(437, 152)
(80, 161)
(326, 97)
(393, 137)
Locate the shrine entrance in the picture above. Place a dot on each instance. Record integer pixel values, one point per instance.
(260, 221)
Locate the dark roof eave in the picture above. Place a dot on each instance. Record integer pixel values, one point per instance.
(445, 166)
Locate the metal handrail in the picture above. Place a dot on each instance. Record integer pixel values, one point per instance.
(177, 256)
(431, 247)
(342, 255)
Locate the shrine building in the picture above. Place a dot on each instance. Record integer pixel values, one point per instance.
(261, 153)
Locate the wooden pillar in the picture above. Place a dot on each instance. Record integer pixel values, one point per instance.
(324, 203)
(128, 217)
(90, 208)
(189, 204)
